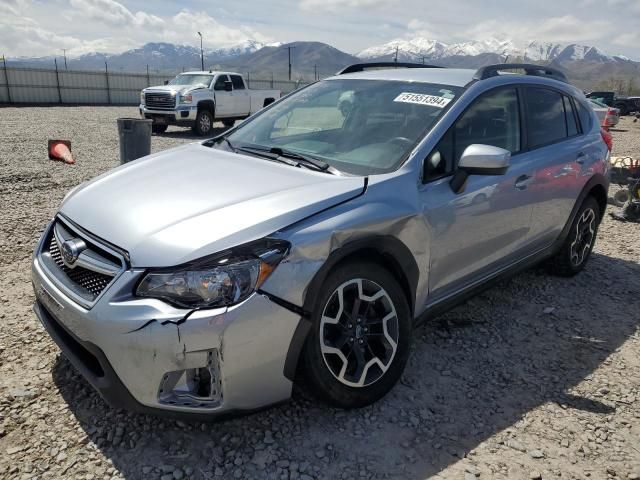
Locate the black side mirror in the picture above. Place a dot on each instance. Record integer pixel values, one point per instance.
(228, 86)
(166, 82)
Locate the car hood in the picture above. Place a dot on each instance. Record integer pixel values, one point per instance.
(192, 201)
(175, 89)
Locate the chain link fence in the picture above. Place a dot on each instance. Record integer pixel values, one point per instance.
(28, 85)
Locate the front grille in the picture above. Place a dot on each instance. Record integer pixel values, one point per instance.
(93, 282)
(160, 101)
(95, 267)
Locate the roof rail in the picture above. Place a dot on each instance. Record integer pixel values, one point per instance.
(361, 67)
(529, 68)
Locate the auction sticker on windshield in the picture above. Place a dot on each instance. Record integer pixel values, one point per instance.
(422, 99)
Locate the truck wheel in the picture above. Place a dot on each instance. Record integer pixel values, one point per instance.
(158, 128)
(204, 122)
(228, 122)
(359, 342)
(577, 247)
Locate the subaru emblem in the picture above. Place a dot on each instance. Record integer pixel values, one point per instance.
(71, 250)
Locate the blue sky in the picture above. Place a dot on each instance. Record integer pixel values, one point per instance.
(45, 27)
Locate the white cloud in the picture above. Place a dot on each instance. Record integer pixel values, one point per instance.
(561, 29)
(22, 35)
(116, 14)
(337, 5)
(186, 23)
(628, 39)
(27, 27)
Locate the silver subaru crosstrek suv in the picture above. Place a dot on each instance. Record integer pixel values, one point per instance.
(310, 240)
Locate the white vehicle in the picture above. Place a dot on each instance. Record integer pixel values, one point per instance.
(197, 99)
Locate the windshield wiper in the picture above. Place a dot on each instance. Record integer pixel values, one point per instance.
(306, 160)
(286, 156)
(265, 153)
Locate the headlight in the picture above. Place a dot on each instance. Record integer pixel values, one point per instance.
(142, 98)
(185, 98)
(221, 280)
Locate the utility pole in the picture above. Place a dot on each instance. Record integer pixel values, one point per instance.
(315, 72)
(289, 47)
(64, 54)
(396, 59)
(201, 52)
(423, 59)
(55, 61)
(6, 77)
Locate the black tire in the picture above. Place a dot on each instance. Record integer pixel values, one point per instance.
(577, 247)
(228, 122)
(159, 128)
(204, 123)
(376, 382)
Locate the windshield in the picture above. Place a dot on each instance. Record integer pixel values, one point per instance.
(360, 127)
(186, 79)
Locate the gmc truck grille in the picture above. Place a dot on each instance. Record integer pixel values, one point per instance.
(85, 269)
(160, 101)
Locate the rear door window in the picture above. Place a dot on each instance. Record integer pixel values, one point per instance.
(220, 82)
(238, 84)
(546, 122)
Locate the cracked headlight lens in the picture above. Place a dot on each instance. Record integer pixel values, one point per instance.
(221, 280)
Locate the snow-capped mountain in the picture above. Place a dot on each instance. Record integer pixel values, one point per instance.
(248, 46)
(413, 49)
(541, 51)
(417, 48)
(473, 48)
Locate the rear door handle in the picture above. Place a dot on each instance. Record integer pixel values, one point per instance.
(523, 182)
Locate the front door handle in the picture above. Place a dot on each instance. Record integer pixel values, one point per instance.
(523, 182)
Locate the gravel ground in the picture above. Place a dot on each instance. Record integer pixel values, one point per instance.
(627, 137)
(539, 377)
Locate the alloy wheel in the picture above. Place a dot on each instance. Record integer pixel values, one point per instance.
(205, 123)
(359, 332)
(584, 236)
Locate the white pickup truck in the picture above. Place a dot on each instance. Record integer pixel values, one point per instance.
(197, 99)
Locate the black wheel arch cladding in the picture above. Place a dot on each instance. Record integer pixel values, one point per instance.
(208, 105)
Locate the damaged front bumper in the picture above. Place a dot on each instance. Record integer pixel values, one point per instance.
(145, 355)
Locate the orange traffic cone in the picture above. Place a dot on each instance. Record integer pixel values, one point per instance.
(61, 150)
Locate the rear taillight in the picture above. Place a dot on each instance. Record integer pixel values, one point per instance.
(609, 117)
(607, 138)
